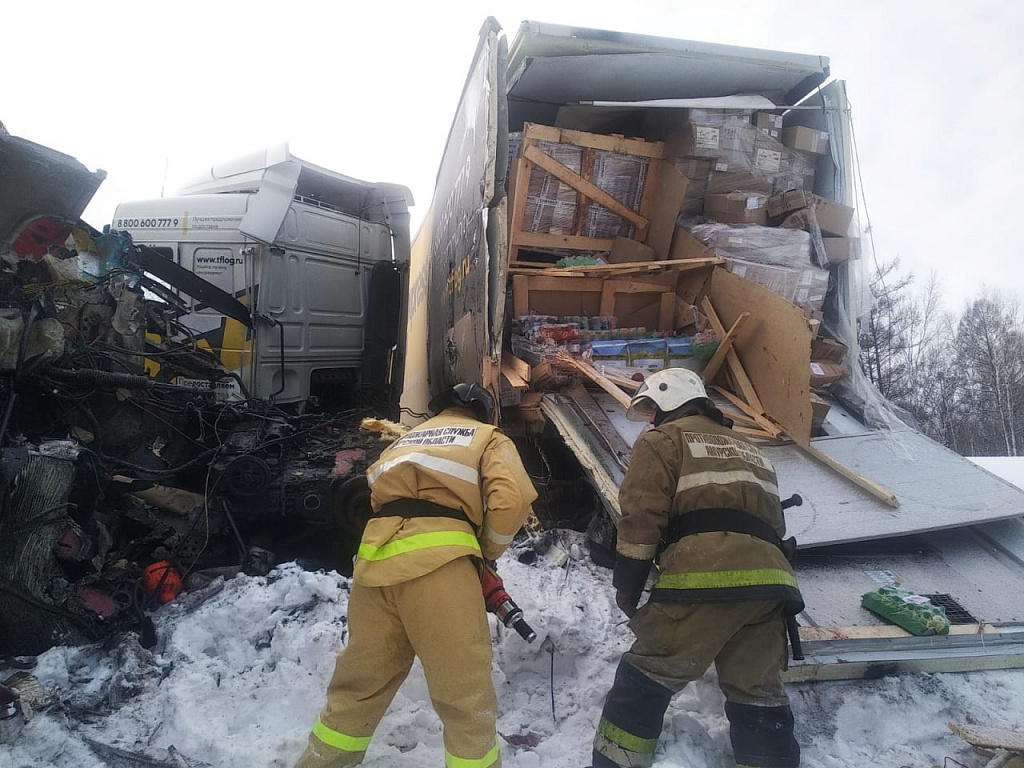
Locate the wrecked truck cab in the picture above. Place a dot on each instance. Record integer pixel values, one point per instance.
(123, 472)
(319, 258)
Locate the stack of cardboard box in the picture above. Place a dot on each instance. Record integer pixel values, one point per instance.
(730, 187)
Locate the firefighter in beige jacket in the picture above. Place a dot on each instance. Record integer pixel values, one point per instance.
(448, 493)
(708, 501)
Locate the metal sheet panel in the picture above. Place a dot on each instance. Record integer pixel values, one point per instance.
(459, 337)
(936, 488)
(553, 65)
(38, 181)
(985, 581)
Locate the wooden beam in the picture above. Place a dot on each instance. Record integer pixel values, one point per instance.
(521, 295)
(667, 311)
(587, 188)
(724, 345)
(759, 418)
(756, 433)
(602, 381)
(513, 366)
(743, 382)
(860, 481)
(568, 242)
(594, 140)
(677, 265)
(563, 283)
(517, 212)
(608, 298)
(627, 384)
(632, 286)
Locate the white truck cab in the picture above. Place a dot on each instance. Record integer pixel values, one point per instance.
(319, 259)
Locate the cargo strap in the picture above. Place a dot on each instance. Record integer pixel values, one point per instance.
(730, 520)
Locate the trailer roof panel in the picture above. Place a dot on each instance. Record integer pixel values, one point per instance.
(553, 65)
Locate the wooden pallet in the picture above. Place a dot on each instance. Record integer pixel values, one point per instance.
(534, 160)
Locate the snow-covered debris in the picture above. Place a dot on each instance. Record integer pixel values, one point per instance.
(238, 675)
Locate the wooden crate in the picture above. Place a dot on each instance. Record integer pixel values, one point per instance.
(534, 160)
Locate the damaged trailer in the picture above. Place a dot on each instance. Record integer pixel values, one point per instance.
(135, 459)
(609, 204)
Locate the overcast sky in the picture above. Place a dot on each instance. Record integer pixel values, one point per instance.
(155, 93)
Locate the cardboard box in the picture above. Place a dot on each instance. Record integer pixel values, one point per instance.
(805, 288)
(686, 246)
(829, 350)
(825, 374)
(761, 245)
(625, 251)
(696, 170)
(710, 132)
(768, 123)
(737, 208)
(839, 250)
(806, 139)
(819, 410)
(833, 218)
(723, 182)
(784, 202)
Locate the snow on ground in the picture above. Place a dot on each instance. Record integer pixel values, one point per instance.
(236, 681)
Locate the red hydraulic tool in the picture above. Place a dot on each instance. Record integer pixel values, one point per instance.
(501, 605)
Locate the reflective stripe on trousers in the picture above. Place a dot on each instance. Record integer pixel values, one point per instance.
(339, 740)
(723, 579)
(491, 758)
(418, 542)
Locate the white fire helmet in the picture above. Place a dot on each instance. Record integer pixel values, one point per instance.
(666, 391)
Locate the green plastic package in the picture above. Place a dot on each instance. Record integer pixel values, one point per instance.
(907, 609)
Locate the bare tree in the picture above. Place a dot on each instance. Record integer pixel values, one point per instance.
(990, 354)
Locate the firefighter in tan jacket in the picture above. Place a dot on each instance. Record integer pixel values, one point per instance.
(708, 501)
(449, 492)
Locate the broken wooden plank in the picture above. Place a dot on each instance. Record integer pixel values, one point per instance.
(518, 366)
(743, 382)
(870, 486)
(883, 632)
(989, 737)
(569, 242)
(667, 312)
(587, 188)
(679, 265)
(591, 373)
(759, 434)
(627, 384)
(654, 149)
(759, 418)
(724, 345)
(521, 295)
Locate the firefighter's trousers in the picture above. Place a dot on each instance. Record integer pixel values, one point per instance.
(439, 617)
(675, 644)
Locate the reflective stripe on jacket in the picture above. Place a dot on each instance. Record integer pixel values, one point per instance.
(692, 463)
(454, 461)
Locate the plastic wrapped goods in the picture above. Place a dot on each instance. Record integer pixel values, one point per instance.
(914, 613)
(804, 287)
(757, 244)
(551, 203)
